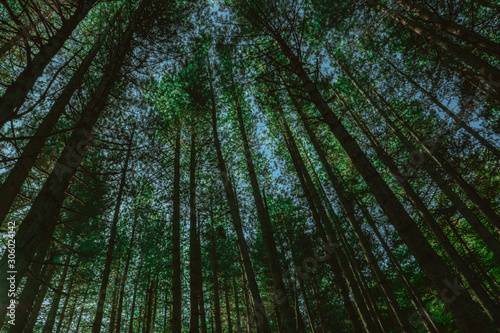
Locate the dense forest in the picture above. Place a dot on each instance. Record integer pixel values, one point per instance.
(249, 166)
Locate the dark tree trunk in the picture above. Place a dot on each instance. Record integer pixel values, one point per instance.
(176, 240)
(194, 260)
(96, 326)
(54, 307)
(260, 312)
(124, 279)
(216, 313)
(267, 232)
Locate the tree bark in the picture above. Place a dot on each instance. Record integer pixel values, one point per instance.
(194, 260)
(176, 240)
(54, 307)
(124, 278)
(267, 232)
(96, 326)
(260, 312)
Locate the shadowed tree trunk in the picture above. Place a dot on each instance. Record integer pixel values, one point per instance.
(176, 314)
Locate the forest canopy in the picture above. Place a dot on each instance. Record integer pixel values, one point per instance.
(249, 166)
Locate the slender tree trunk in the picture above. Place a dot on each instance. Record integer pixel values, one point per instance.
(134, 299)
(63, 313)
(228, 309)
(114, 302)
(54, 307)
(236, 305)
(215, 267)
(16, 93)
(124, 278)
(96, 326)
(267, 232)
(149, 307)
(309, 311)
(339, 261)
(245, 297)
(80, 316)
(260, 312)
(203, 317)
(176, 240)
(194, 260)
(67, 327)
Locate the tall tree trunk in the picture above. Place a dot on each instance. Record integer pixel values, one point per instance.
(245, 297)
(339, 261)
(80, 316)
(54, 307)
(96, 326)
(149, 307)
(203, 317)
(176, 240)
(124, 278)
(134, 299)
(215, 267)
(63, 314)
(260, 312)
(16, 93)
(67, 326)
(267, 231)
(309, 310)
(114, 302)
(236, 305)
(17, 176)
(194, 260)
(228, 309)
